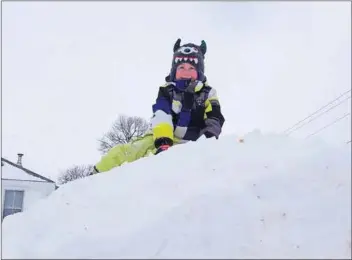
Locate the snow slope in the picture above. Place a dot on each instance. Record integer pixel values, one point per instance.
(271, 196)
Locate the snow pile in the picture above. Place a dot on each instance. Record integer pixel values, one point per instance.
(269, 197)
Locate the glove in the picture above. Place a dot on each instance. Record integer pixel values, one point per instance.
(94, 171)
(162, 148)
(162, 144)
(213, 128)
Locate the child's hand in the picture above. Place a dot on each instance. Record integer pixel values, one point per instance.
(191, 87)
(186, 85)
(188, 100)
(162, 144)
(212, 128)
(162, 148)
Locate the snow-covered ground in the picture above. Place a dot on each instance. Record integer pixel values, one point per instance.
(271, 196)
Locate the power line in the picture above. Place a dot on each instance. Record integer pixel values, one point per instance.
(344, 93)
(328, 125)
(320, 115)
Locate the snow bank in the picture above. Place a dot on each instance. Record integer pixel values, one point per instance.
(270, 196)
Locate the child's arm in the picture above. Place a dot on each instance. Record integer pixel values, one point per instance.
(162, 125)
(215, 120)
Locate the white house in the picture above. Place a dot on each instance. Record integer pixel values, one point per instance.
(21, 187)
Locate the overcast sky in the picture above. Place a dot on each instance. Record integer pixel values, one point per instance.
(69, 69)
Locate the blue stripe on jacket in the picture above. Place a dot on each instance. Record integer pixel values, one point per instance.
(184, 118)
(162, 104)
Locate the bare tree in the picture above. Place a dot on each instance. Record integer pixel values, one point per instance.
(74, 172)
(123, 130)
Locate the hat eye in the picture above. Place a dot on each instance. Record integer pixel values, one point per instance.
(188, 50)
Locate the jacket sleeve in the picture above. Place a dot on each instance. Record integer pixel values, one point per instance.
(213, 108)
(161, 121)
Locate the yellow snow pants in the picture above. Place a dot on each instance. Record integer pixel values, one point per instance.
(121, 153)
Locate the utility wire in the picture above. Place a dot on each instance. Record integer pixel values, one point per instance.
(319, 115)
(344, 93)
(328, 125)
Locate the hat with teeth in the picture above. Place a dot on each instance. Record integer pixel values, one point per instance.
(189, 53)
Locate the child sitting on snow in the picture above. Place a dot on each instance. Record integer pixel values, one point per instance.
(185, 109)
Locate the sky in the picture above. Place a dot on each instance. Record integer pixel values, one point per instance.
(69, 69)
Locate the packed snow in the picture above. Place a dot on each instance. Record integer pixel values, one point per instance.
(270, 196)
(10, 172)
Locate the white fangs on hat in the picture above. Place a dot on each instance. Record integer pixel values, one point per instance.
(179, 59)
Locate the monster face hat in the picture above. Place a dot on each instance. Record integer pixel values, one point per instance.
(189, 53)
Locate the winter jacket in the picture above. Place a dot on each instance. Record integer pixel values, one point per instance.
(171, 118)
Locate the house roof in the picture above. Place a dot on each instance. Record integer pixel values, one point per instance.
(31, 173)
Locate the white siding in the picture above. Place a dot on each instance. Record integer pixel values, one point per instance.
(33, 191)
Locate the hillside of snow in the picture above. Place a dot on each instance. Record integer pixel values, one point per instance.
(269, 197)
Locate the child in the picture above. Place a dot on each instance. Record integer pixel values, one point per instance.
(186, 108)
